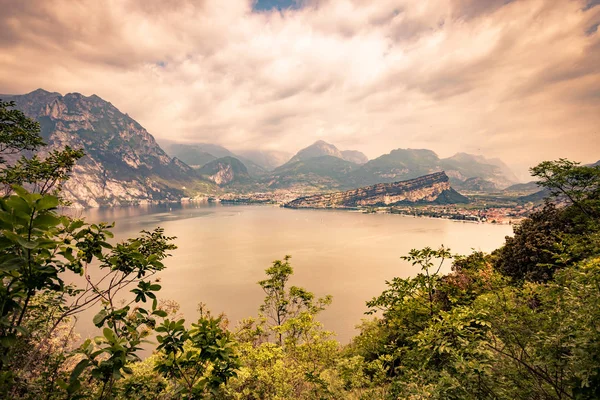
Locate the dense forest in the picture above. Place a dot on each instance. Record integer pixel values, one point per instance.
(520, 323)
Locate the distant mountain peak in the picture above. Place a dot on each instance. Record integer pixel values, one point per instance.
(317, 149)
(321, 148)
(42, 91)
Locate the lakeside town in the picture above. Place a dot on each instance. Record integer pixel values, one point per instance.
(505, 211)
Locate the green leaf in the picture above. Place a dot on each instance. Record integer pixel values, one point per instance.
(78, 223)
(47, 203)
(79, 368)
(46, 220)
(99, 318)
(19, 204)
(28, 244)
(109, 335)
(19, 190)
(8, 340)
(160, 313)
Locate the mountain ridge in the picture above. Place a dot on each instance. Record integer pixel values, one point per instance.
(123, 163)
(433, 189)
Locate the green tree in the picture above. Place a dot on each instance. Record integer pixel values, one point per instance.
(39, 247)
(282, 304)
(530, 253)
(18, 133)
(198, 360)
(300, 362)
(580, 185)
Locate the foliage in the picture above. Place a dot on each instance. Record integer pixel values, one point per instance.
(300, 362)
(43, 176)
(556, 235)
(529, 253)
(579, 184)
(283, 305)
(39, 247)
(198, 360)
(18, 135)
(473, 334)
(17, 132)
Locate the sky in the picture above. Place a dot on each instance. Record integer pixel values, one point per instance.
(518, 80)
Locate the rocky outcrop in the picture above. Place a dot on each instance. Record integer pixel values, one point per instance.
(225, 170)
(123, 163)
(433, 188)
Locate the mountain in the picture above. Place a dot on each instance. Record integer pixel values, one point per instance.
(320, 166)
(523, 188)
(475, 184)
(464, 170)
(402, 164)
(399, 164)
(536, 197)
(433, 188)
(317, 149)
(505, 169)
(321, 148)
(317, 173)
(355, 156)
(123, 162)
(463, 166)
(191, 155)
(225, 170)
(199, 153)
(267, 159)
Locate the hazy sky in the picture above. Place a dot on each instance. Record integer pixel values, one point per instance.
(519, 80)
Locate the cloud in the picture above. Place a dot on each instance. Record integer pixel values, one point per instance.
(519, 80)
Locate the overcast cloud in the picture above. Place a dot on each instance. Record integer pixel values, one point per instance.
(519, 80)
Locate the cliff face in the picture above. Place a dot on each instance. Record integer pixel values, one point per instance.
(123, 162)
(433, 188)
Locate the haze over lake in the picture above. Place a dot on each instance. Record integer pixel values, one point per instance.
(223, 252)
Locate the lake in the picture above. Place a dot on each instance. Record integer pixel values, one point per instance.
(223, 251)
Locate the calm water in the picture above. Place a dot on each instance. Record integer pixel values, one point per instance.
(224, 250)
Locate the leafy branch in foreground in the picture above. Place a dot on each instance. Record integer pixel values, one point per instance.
(39, 247)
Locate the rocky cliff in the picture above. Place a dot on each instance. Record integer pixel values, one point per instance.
(433, 188)
(123, 162)
(225, 170)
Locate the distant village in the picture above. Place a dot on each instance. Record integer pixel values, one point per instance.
(477, 211)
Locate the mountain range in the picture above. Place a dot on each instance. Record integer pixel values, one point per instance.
(323, 166)
(124, 164)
